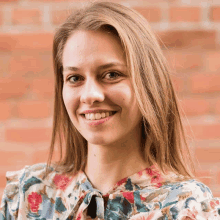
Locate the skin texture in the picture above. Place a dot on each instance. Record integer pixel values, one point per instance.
(114, 146)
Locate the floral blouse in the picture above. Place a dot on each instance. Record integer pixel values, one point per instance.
(144, 195)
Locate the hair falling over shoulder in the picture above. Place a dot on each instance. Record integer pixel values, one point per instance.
(163, 136)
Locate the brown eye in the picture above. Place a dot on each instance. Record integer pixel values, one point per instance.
(74, 79)
(113, 75)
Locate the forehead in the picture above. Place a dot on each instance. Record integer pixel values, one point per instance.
(92, 46)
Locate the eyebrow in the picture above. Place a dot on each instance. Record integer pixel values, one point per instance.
(104, 66)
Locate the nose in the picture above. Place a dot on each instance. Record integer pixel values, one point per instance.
(92, 92)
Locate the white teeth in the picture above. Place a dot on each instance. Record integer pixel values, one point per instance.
(96, 116)
(92, 116)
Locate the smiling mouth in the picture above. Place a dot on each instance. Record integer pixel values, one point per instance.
(98, 116)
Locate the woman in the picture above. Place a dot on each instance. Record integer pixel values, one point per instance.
(117, 118)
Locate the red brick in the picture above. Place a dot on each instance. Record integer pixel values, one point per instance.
(31, 135)
(207, 155)
(41, 156)
(215, 193)
(204, 176)
(22, 16)
(11, 157)
(31, 64)
(196, 39)
(215, 13)
(43, 88)
(28, 41)
(185, 14)
(195, 106)
(214, 143)
(217, 106)
(180, 60)
(212, 61)
(2, 180)
(204, 131)
(60, 16)
(13, 88)
(151, 14)
(178, 83)
(6, 110)
(7, 42)
(6, 1)
(218, 178)
(4, 63)
(33, 109)
(205, 83)
(55, 0)
(1, 17)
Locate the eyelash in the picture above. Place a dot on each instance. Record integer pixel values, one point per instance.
(118, 74)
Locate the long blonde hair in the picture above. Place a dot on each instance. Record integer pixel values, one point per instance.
(163, 137)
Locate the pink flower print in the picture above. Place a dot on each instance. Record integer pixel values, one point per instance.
(156, 178)
(106, 195)
(121, 181)
(129, 196)
(142, 198)
(140, 173)
(79, 216)
(61, 181)
(83, 196)
(34, 200)
(187, 214)
(214, 203)
(149, 171)
(154, 215)
(152, 172)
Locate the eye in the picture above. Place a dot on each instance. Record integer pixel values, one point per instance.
(112, 75)
(74, 79)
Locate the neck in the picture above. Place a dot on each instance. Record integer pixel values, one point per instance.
(106, 165)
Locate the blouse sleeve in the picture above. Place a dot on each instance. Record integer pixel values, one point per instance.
(10, 201)
(194, 201)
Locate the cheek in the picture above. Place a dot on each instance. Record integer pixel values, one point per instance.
(127, 99)
(69, 100)
(125, 96)
(121, 95)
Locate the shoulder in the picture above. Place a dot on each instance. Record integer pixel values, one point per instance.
(33, 172)
(192, 189)
(18, 183)
(192, 199)
(29, 174)
(17, 178)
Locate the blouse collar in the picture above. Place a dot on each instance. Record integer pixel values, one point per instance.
(148, 177)
(78, 190)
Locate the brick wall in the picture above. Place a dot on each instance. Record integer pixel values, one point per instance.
(190, 32)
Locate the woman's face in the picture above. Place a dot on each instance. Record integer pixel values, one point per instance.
(96, 79)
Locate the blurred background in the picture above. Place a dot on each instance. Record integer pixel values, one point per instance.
(189, 33)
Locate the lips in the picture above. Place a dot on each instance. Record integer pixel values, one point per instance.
(97, 121)
(95, 111)
(97, 116)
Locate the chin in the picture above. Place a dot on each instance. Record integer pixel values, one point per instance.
(99, 141)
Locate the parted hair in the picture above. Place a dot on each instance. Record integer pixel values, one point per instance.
(163, 137)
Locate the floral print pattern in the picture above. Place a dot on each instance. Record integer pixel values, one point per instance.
(34, 200)
(61, 181)
(145, 195)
